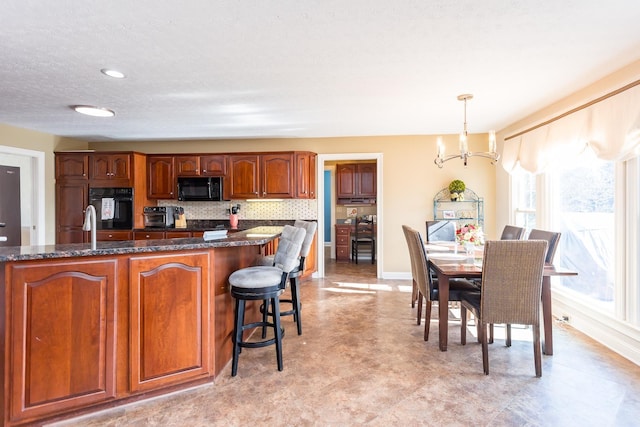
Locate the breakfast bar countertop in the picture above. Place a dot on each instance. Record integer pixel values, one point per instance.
(253, 236)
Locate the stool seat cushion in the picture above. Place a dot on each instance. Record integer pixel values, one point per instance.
(256, 277)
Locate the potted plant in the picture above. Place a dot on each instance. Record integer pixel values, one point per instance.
(456, 190)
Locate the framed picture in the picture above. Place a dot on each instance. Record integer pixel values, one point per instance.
(448, 214)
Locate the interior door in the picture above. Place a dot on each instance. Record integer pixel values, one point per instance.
(10, 225)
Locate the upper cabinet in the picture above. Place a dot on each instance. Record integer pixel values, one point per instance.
(161, 178)
(201, 165)
(256, 176)
(305, 175)
(356, 182)
(72, 166)
(110, 170)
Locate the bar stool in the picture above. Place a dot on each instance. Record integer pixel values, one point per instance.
(264, 283)
(294, 276)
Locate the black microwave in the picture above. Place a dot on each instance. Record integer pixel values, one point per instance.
(200, 189)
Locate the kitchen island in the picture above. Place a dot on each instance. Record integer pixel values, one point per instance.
(87, 329)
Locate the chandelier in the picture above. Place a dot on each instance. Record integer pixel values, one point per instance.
(464, 149)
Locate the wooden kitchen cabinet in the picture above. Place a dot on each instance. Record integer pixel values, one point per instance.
(356, 181)
(343, 241)
(161, 179)
(305, 175)
(265, 175)
(113, 235)
(170, 303)
(71, 199)
(72, 166)
(148, 235)
(63, 352)
(111, 169)
(201, 165)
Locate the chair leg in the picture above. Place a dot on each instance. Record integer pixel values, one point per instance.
(275, 305)
(295, 301)
(373, 252)
(419, 308)
(490, 333)
(265, 315)
(508, 340)
(237, 335)
(485, 348)
(537, 350)
(463, 324)
(427, 320)
(414, 294)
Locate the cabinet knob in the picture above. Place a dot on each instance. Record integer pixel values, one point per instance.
(110, 235)
(204, 171)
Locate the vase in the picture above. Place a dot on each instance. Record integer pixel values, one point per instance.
(470, 249)
(233, 220)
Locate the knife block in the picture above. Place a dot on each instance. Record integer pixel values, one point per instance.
(181, 222)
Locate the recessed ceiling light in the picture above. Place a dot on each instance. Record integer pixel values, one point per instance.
(113, 73)
(93, 111)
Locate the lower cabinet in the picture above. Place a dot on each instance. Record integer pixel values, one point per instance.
(113, 235)
(343, 241)
(62, 356)
(169, 322)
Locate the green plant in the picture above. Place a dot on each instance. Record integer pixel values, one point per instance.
(457, 186)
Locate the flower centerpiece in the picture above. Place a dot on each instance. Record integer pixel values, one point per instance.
(470, 234)
(456, 190)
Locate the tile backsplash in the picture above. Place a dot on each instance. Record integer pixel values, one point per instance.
(286, 209)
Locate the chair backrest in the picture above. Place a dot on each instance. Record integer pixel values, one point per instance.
(419, 264)
(444, 231)
(310, 227)
(511, 232)
(289, 246)
(550, 236)
(512, 281)
(364, 230)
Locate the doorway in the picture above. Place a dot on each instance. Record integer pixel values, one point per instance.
(346, 157)
(32, 191)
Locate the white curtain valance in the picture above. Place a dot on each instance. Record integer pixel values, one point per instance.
(610, 128)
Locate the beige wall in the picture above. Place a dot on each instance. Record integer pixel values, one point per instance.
(410, 178)
(38, 141)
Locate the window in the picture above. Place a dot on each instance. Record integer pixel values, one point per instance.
(584, 213)
(524, 199)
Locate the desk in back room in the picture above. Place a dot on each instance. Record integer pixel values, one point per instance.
(343, 241)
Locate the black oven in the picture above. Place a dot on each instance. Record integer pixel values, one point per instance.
(114, 208)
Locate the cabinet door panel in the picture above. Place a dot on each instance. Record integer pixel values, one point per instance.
(187, 165)
(120, 166)
(277, 175)
(169, 318)
(63, 335)
(346, 180)
(214, 165)
(160, 177)
(72, 166)
(244, 174)
(367, 174)
(100, 166)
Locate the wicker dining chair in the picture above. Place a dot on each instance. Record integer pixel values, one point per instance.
(426, 287)
(511, 289)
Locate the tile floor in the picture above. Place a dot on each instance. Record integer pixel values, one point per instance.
(362, 361)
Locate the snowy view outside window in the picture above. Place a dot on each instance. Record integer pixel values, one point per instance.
(585, 209)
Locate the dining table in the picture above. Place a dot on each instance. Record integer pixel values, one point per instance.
(448, 260)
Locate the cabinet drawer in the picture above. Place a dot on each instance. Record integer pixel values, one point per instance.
(342, 240)
(145, 235)
(105, 236)
(342, 230)
(342, 252)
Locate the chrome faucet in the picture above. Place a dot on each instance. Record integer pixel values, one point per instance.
(90, 224)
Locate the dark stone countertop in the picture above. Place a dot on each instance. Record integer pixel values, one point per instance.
(252, 236)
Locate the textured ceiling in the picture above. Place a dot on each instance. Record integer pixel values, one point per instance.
(297, 68)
